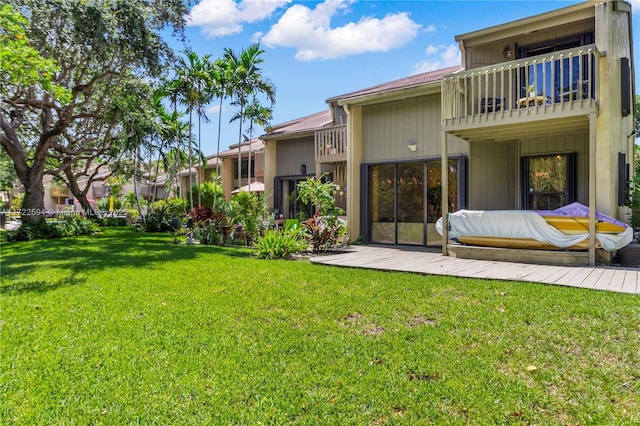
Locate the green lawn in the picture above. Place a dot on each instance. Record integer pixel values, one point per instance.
(126, 328)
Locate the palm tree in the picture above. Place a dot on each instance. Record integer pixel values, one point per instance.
(221, 76)
(255, 114)
(190, 87)
(246, 80)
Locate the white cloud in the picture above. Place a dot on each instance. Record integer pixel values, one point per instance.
(431, 49)
(438, 57)
(225, 17)
(310, 32)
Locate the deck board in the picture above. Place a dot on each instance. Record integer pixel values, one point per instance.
(623, 280)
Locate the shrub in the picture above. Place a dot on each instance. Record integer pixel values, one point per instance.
(209, 192)
(249, 210)
(323, 232)
(104, 203)
(69, 227)
(279, 245)
(325, 228)
(112, 221)
(162, 214)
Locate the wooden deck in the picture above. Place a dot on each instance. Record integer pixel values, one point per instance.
(424, 261)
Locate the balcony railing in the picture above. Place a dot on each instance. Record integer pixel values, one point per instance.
(331, 144)
(551, 82)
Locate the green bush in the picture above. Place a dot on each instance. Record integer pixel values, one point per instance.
(161, 217)
(209, 192)
(249, 210)
(70, 226)
(279, 245)
(112, 221)
(104, 203)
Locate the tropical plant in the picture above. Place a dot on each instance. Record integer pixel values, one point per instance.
(255, 114)
(192, 88)
(208, 192)
(246, 80)
(279, 245)
(249, 211)
(324, 229)
(160, 217)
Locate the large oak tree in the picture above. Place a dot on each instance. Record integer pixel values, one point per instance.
(84, 54)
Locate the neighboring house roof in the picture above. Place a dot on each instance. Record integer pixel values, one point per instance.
(254, 145)
(394, 86)
(300, 126)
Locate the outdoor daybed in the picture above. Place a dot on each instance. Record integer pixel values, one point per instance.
(564, 228)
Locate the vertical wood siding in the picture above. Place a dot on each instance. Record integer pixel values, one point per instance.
(389, 129)
(293, 153)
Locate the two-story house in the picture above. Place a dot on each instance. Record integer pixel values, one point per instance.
(538, 115)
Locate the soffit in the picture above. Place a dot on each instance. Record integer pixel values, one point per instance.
(539, 129)
(557, 18)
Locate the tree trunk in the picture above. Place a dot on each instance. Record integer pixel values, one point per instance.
(32, 211)
(81, 195)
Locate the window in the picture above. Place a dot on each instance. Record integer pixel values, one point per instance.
(549, 181)
(245, 167)
(564, 80)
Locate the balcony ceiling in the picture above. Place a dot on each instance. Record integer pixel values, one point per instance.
(502, 131)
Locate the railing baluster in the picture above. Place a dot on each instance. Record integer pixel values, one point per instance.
(475, 92)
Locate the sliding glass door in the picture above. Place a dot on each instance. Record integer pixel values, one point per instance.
(405, 201)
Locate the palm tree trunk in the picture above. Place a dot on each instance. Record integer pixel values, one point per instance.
(190, 162)
(219, 131)
(239, 149)
(201, 168)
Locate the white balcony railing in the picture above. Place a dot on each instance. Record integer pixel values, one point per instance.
(555, 81)
(331, 144)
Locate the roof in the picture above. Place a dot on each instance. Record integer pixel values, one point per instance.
(300, 125)
(542, 20)
(253, 145)
(396, 85)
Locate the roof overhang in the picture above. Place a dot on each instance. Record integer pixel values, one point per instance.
(555, 18)
(422, 89)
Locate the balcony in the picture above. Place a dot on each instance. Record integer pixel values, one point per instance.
(552, 92)
(59, 191)
(331, 144)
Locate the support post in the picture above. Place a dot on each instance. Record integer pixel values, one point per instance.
(592, 189)
(445, 194)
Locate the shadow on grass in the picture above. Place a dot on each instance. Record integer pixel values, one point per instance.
(79, 256)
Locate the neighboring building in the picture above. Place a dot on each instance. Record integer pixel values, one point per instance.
(311, 146)
(539, 115)
(249, 155)
(58, 197)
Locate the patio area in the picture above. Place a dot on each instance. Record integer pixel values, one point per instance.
(429, 262)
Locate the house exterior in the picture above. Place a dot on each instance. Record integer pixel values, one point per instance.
(59, 198)
(538, 115)
(249, 155)
(311, 146)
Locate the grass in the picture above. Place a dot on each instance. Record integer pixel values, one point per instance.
(126, 328)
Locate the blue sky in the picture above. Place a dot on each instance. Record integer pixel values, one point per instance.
(318, 49)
